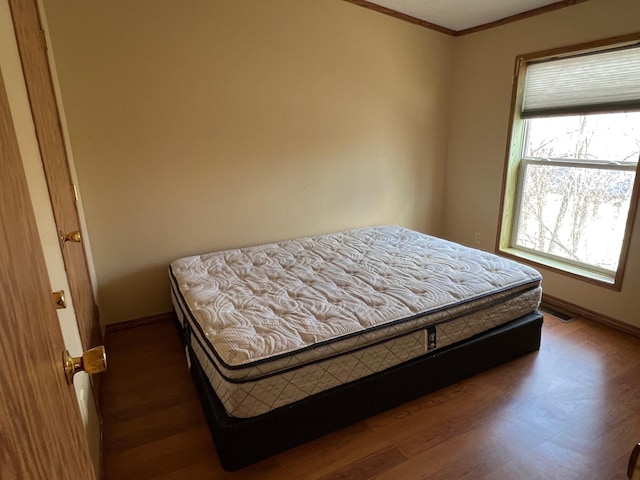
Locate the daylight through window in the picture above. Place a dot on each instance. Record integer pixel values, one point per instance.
(573, 161)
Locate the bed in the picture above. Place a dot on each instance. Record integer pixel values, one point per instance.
(291, 340)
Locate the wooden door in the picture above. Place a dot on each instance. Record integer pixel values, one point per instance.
(41, 431)
(35, 64)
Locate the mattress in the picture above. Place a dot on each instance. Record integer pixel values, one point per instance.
(273, 324)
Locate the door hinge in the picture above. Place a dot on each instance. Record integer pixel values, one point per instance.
(43, 40)
(75, 192)
(59, 300)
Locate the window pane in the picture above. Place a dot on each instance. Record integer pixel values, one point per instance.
(576, 213)
(609, 137)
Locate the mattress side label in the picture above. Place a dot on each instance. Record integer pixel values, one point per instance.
(431, 337)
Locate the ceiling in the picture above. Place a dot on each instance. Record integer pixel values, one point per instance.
(460, 15)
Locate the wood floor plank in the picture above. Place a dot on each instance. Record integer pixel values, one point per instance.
(571, 410)
(157, 423)
(158, 457)
(367, 467)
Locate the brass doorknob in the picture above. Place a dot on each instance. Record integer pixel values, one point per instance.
(70, 237)
(91, 361)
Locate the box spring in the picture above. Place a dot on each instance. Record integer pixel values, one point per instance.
(243, 441)
(291, 340)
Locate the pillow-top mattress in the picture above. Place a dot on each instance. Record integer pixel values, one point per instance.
(275, 323)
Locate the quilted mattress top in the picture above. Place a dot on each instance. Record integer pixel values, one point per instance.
(266, 301)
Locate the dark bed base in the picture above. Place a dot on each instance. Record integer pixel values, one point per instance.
(241, 442)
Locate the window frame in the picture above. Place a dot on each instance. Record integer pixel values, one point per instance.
(513, 169)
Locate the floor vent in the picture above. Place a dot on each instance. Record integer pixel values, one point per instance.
(562, 316)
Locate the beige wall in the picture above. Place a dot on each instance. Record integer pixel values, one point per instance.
(205, 125)
(221, 124)
(481, 94)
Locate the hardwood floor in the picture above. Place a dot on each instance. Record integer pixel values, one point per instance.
(569, 411)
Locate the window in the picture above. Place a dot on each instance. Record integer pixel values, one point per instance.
(570, 186)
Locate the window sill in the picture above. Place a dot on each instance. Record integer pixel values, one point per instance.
(562, 268)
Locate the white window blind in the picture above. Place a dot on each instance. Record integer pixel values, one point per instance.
(605, 81)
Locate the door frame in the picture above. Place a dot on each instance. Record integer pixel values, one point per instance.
(32, 46)
(42, 432)
(21, 112)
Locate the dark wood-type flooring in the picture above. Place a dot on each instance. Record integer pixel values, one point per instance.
(569, 411)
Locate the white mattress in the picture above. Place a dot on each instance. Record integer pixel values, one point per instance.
(273, 324)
